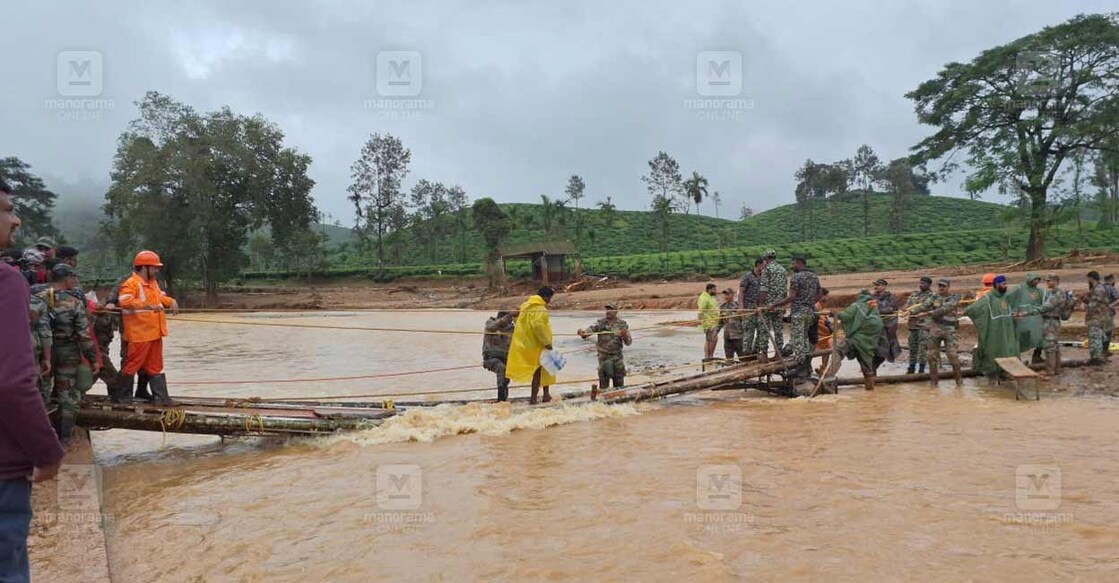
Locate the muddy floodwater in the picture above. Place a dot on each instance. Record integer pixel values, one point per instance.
(906, 483)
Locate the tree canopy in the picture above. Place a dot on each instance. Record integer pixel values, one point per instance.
(33, 201)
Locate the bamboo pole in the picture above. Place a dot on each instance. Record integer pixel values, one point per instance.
(228, 424)
(967, 372)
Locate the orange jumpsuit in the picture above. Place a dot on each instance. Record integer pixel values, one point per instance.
(145, 324)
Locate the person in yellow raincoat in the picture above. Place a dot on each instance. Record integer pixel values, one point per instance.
(532, 335)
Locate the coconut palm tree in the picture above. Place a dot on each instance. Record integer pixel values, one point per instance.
(696, 189)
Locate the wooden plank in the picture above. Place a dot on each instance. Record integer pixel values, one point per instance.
(1014, 367)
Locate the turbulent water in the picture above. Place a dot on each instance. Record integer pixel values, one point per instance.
(907, 482)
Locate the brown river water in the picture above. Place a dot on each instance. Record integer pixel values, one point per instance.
(906, 483)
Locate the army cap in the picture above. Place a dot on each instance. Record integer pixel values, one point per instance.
(728, 292)
(770, 254)
(1052, 277)
(944, 282)
(880, 281)
(62, 270)
(799, 257)
(46, 242)
(612, 306)
(926, 279)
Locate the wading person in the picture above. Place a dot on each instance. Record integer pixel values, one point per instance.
(730, 322)
(918, 327)
(29, 448)
(495, 348)
(532, 334)
(1097, 317)
(862, 329)
(749, 296)
(1056, 306)
(708, 320)
(994, 322)
(613, 335)
(71, 344)
(939, 310)
(775, 286)
(143, 305)
(1028, 325)
(804, 289)
(888, 309)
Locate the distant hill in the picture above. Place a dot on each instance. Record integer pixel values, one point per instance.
(630, 232)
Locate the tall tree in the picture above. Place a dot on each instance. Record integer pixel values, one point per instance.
(1020, 110)
(866, 168)
(662, 209)
(375, 189)
(716, 200)
(608, 209)
(494, 226)
(745, 212)
(902, 180)
(458, 204)
(695, 187)
(192, 186)
(574, 192)
(663, 179)
(1105, 178)
(33, 201)
(430, 199)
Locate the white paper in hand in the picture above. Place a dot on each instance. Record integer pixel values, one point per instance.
(552, 361)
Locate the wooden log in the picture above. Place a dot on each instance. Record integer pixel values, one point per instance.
(216, 424)
(967, 372)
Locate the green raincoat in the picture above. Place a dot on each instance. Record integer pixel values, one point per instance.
(1027, 328)
(994, 320)
(862, 328)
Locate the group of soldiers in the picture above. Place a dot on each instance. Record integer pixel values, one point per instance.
(71, 334)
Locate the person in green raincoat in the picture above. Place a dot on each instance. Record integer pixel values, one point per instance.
(862, 328)
(994, 321)
(1027, 297)
(532, 334)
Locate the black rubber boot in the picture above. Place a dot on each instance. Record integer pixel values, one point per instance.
(158, 384)
(503, 391)
(920, 369)
(122, 393)
(142, 387)
(912, 367)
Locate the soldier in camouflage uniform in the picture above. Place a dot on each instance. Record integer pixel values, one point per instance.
(731, 323)
(804, 290)
(775, 286)
(70, 328)
(495, 348)
(918, 327)
(1098, 318)
(940, 310)
(42, 340)
(613, 334)
(1051, 310)
(1112, 297)
(749, 294)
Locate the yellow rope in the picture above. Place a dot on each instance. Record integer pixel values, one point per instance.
(250, 420)
(170, 419)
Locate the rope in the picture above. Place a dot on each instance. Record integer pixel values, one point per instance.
(250, 420)
(170, 419)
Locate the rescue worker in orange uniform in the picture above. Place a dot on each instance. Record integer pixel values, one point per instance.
(143, 306)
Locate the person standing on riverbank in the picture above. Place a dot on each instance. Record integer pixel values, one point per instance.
(495, 349)
(708, 318)
(143, 305)
(940, 311)
(1097, 315)
(29, 449)
(72, 345)
(532, 335)
(918, 327)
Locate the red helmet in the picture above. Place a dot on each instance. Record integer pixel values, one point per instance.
(147, 258)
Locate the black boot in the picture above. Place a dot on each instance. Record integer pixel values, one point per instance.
(65, 426)
(158, 384)
(912, 367)
(920, 369)
(503, 391)
(142, 387)
(122, 393)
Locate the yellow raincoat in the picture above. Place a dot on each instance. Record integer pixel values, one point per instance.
(530, 335)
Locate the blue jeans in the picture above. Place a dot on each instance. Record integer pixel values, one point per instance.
(15, 521)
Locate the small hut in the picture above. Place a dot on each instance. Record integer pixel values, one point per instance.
(548, 259)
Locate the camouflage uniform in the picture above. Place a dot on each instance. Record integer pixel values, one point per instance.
(888, 309)
(731, 323)
(941, 312)
(41, 338)
(1050, 312)
(495, 350)
(1112, 295)
(918, 330)
(1098, 319)
(105, 324)
(754, 339)
(70, 328)
(806, 286)
(611, 365)
(775, 284)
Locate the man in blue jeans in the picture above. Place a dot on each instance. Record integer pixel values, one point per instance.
(29, 448)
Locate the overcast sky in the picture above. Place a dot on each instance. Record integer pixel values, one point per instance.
(513, 97)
